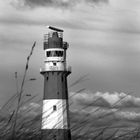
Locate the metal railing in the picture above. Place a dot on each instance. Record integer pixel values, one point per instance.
(49, 35)
(69, 69)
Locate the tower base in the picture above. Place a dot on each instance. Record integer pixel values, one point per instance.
(56, 134)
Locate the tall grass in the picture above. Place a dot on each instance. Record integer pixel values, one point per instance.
(27, 124)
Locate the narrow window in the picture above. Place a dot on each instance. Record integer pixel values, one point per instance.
(57, 53)
(54, 63)
(61, 53)
(54, 108)
(48, 53)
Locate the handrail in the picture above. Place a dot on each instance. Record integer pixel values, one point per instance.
(49, 35)
(69, 69)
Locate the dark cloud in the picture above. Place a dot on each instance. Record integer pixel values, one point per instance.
(42, 3)
(54, 3)
(36, 3)
(98, 1)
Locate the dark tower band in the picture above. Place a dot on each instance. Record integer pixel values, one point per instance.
(55, 115)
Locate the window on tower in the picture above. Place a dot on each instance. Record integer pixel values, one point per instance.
(54, 54)
(48, 53)
(54, 108)
(54, 64)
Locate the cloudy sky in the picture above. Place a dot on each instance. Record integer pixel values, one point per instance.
(104, 38)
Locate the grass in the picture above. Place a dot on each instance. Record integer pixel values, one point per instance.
(29, 126)
(28, 123)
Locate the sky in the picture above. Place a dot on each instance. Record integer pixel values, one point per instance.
(103, 37)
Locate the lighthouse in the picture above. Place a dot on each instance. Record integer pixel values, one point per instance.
(55, 110)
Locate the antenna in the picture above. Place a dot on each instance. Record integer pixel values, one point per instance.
(55, 29)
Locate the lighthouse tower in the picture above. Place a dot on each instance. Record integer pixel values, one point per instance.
(55, 115)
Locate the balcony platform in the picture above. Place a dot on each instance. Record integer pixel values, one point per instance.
(67, 70)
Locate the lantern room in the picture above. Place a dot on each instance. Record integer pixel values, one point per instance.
(55, 51)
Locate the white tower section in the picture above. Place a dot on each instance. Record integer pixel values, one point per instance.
(55, 58)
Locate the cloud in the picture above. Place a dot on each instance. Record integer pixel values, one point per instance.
(109, 100)
(32, 109)
(53, 3)
(96, 110)
(98, 1)
(127, 115)
(36, 3)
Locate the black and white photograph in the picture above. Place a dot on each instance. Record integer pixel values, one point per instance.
(69, 69)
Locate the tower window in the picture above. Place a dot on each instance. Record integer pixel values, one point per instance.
(54, 53)
(59, 53)
(54, 108)
(54, 64)
(48, 53)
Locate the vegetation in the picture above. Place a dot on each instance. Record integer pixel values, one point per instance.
(28, 119)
